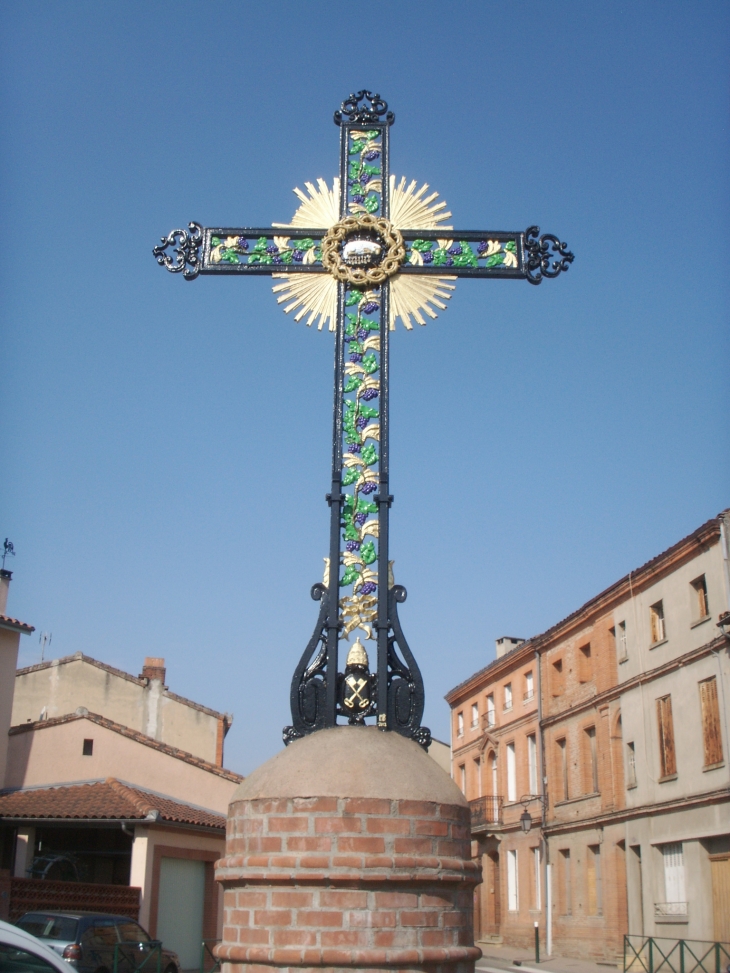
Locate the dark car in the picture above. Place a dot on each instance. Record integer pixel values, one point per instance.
(92, 942)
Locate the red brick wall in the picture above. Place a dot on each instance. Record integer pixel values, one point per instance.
(348, 882)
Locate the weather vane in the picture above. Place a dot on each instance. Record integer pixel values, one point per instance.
(8, 550)
(358, 256)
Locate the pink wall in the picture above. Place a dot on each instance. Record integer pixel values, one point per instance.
(53, 755)
(9, 642)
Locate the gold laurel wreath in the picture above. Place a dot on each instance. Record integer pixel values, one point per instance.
(359, 276)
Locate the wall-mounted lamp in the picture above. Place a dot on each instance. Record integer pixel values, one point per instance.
(526, 817)
(723, 623)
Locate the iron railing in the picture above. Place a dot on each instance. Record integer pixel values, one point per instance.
(485, 811)
(656, 954)
(138, 956)
(207, 955)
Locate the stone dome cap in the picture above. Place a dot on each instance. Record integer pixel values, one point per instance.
(352, 761)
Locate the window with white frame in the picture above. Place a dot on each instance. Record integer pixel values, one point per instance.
(491, 720)
(630, 764)
(529, 687)
(511, 773)
(656, 622)
(508, 696)
(536, 867)
(674, 888)
(619, 641)
(512, 900)
(460, 724)
(532, 762)
(478, 775)
(462, 778)
(474, 715)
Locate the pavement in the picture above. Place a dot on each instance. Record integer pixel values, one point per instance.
(497, 958)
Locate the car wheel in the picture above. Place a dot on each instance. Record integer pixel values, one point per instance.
(170, 969)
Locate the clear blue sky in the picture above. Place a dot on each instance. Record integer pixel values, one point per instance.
(166, 444)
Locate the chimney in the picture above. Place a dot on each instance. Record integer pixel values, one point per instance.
(506, 644)
(5, 577)
(153, 669)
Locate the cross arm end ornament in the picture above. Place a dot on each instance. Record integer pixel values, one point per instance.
(185, 255)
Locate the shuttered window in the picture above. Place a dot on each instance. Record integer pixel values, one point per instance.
(667, 755)
(593, 881)
(674, 872)
(711, 734)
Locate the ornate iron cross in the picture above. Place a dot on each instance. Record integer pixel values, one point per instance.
(359, 256)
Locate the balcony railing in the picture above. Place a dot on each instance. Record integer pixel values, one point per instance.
(530, 694)
(485, 811)
(662, 909)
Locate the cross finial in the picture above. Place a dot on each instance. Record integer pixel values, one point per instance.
(354, 110)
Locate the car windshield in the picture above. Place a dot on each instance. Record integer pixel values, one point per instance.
(14, 960)
(62, 928)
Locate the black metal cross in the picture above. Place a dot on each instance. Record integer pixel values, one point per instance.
(360, 256)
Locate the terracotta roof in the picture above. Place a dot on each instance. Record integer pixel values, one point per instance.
(708, 532)
(7, 622)
(131, 735)
(104, 800)
(121, 674)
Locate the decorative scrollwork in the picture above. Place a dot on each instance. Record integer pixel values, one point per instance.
(539, 255)
(406, 697)
(352, 110)
(186, 246)
(309, 683)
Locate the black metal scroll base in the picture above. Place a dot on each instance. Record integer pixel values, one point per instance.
(406, 697)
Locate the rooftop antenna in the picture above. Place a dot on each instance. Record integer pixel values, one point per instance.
(8, 549)
(45, 639)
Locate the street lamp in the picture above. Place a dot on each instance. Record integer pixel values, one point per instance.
(723, 623)
(526, 817)
(526, 821)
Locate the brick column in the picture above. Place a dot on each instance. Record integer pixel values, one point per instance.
(342, 882)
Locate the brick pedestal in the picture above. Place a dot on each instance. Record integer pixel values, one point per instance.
(349, 850)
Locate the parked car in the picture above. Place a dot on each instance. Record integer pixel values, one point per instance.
(90, 941)
(22, 953)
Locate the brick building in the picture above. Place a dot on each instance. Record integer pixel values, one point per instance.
(636, 825)
(497, 765)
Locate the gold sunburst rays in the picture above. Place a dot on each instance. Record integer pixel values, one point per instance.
(318, 211)
(412, 296)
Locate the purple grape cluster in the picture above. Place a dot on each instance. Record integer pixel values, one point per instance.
(362, 334)
(243, 243)
(372, 155)
(368, 487)
(455, 250)
(298, 255)
(360, 518)
(365, 178)
(361, 422)
(272, 249)
(358, 198)
(427, 256)
(370, 307)
(368, 588)
(355, 356)
(355, 447)
(449, 262)
(482, 246)
(352, 546)
(369, 394)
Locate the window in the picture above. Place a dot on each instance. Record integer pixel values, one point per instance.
(130, 932)
(532, 762)
(511, 773)
(88, 748)
(619, 641)
(495, 781)
(673, 856)
(593, 880)
(701, 604)
(557, 678)
(656, 620)
(462, 778)
(474, 715)
(512, 903)
(563, 767)
(585, 663)
(460, 724)
(20, 961)
(590, 778)
(565, 886)
(529, 687)
(537, 904)
(667, 756)
(630, 765)
(478, 775)
(711, 733)
(490, 710)
(508, 696)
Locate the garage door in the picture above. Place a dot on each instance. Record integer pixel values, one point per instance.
(180, 908)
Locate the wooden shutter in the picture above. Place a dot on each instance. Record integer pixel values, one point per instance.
(711, 733)
(666, 736)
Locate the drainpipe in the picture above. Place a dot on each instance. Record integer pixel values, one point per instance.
(543, 795)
